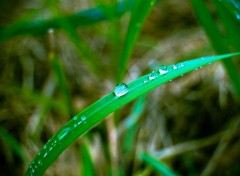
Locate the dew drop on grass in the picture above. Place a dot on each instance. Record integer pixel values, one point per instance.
(163, 70)
(121, 89)
(64, 132)
(45, 154)
(83, 118)
(151, 76)
(75, 117)
(174, 67)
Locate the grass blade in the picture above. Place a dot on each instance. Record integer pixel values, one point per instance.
(218, 41)
(13, 143)
(92, 115)
(157, 165)
(140, 11)
(82, 18)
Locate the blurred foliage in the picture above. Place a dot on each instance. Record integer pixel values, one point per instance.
(57, 57)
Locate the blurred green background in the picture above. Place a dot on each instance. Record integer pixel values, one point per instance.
(58, 57)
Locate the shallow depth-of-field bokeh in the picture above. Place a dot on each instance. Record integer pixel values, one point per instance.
(191, 124)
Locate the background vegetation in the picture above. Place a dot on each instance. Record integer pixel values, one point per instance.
(57, 58)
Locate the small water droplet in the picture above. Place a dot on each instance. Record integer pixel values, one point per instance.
(83, 118)
(74, 125)
(170, 80)
(121, 89)
(75, 117)
(174, 67)
(79, 122)
(40, 162)
(145, 81)
(182, 75)
(151, 76)
(45, 154)
(163, 70)
(209, 63)
(45, 146)
(196, 69)
(64, 132)
(50, 148)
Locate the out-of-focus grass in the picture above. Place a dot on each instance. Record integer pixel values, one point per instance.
(55, 63)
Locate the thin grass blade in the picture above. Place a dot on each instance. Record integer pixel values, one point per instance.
(96, 112)
(82, 18)
(157, 165)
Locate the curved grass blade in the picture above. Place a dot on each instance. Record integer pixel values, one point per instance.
(93, 114)
(233, 7)
(157, 165)
(82, 18)
(139, 13)
(218, 41)
(12, 143)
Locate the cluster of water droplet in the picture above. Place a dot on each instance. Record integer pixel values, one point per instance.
(52, 143)
(37, 163)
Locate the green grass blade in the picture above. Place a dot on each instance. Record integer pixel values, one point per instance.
(87, 163)
(93, 114)
(140, 11)
(12, 143)
(233, 7)
(157, 165)
(219, 43)
(62, 82)
(231, 25)
(82, 18)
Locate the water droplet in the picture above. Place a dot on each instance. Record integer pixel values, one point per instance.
(45, 146)
(45, 154)
(196, 69)
(50, 148)
(174, 67)
(120, 90)
(74, 125)
(163, 70)
(209, 63)
(79, 122)
(64, 132)
(145, 81)
(151, 76)
(75, 117)
(83, 118)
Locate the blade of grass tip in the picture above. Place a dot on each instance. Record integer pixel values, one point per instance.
(141, 9)
(157, 165)
(96, 112)
(217, 40)
(82, 18)
(12, 143)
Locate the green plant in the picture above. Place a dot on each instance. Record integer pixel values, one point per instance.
(121, 95)
(103, 40)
